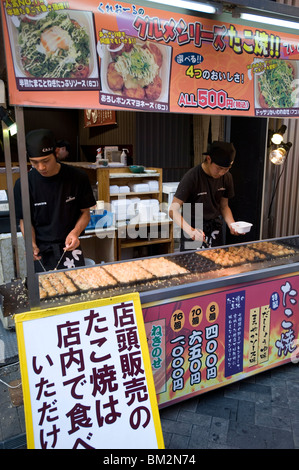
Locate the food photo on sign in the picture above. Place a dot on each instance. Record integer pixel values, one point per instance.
(275, 83)
(56, 48)
(134, 69)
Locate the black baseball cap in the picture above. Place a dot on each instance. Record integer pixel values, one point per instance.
(40, 143)
(63, 143)
(222, 153)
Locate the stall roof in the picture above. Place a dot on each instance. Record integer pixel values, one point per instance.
(266, 6)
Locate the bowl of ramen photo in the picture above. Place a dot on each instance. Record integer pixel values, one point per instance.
(58, 45)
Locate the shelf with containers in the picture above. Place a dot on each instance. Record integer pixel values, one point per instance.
(148, 231)
(123, 177)
(122, 188)
(104, 177)
(157, 235)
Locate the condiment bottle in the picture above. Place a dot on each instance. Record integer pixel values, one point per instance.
(123, 157)
(99, 155)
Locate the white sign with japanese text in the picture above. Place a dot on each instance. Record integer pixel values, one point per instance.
(87, 378)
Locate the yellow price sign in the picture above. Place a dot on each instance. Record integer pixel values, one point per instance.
(195, 316)
(212, 312)
(177, 321)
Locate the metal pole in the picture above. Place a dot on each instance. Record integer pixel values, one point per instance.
(262, 221)
(11, 201)
(32, 280)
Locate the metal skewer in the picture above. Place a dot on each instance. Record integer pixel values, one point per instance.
(59, 261)
(42, 265)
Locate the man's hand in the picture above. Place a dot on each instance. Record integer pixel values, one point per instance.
(175, 215)
(71, 242)
(196, 235)
(36, 255)
(234, 232)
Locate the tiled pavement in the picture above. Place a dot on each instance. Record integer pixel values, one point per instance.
(261, 412)
(12, 420)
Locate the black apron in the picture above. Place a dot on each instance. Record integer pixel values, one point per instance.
(51, 258)
(213, 230)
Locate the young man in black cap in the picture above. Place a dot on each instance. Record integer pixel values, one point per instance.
(60, 201)
(203, 193)
(62, 150)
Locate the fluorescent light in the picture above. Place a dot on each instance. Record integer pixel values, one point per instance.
(269, 20)
(196, 6)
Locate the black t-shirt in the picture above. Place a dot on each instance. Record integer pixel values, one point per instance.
(198, 187)
(55, 202)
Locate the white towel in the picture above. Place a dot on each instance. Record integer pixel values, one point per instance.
(140, 188)
(114, 189)
(124, 189)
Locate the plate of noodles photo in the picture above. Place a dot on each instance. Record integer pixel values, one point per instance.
(56, 44)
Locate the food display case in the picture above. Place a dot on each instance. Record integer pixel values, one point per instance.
(212, 316)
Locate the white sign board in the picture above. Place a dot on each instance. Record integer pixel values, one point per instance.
(87, 378)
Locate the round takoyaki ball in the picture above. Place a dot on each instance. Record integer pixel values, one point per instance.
(135, 92)
(114, 79)
(125, 48)
(156, 53)
(153, 90)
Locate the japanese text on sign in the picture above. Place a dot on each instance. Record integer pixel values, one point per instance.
(88, 380)
(285, 343)
(234, 333)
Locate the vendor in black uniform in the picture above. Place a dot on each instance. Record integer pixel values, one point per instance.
(210, 184)
(62, 150)
(60, 201)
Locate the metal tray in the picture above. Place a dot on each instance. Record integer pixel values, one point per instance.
(202, 272)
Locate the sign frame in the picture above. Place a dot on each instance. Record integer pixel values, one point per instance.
(206, 65)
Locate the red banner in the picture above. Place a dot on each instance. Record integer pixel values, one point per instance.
(114, 55)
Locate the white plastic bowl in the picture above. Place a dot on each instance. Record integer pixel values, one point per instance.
(241, 227)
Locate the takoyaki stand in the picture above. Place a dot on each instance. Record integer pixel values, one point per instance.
(196, 320)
